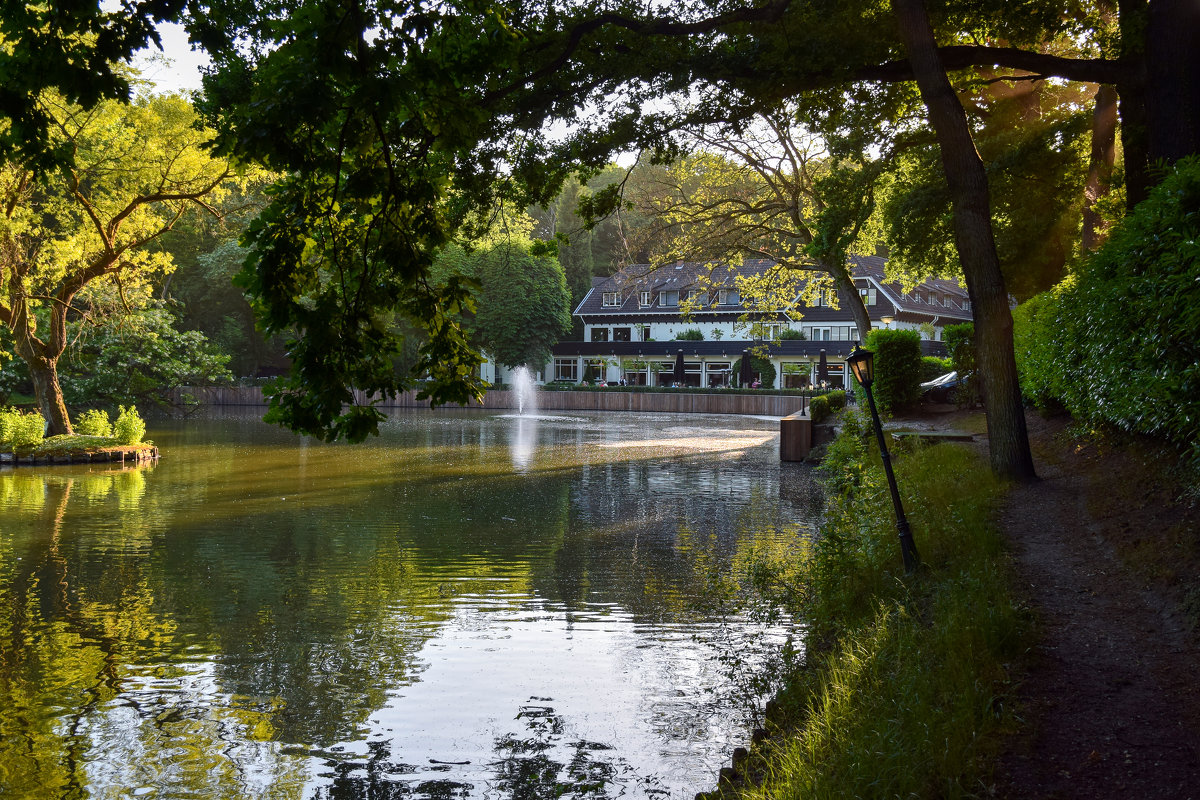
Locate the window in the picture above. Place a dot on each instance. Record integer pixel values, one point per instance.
(643, 299)
(698, 297)
(645, 333)
(621, 334)
(869, 295)
(844, 333)
(612, 298)
(824, 298)
(599, 334)
(668, 298)
(966, 304)
(727, 297)
(566, 369)
(767, 330)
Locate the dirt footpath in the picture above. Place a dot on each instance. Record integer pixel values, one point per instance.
(1105, 552)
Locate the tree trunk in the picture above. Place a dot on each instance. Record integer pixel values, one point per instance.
(1135, 125)
(1100, 165)
(967, 179)
(1172, 87)
(44, 372)
(43, 368)
(848, 294)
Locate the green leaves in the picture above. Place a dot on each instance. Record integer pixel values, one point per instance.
(1117, 344)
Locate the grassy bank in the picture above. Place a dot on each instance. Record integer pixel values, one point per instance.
(905, 678)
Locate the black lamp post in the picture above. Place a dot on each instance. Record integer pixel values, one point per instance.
(862, 364)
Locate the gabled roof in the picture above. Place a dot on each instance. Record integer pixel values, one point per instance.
(930, 299)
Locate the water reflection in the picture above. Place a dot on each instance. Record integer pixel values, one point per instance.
(522, 442)
(424, 616)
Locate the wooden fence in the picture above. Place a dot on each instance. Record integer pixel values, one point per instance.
(664, 402)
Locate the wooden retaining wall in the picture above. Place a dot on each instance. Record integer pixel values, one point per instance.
(664, 402)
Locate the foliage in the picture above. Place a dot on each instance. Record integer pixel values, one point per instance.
(82, 55)
(836, 399)
(960, 341)
(764, 188)
(928, 656)
(690, 335)
(819, 409)
(935, 366)
(207, 256)
(139, 360)
(129, 427)
(522, 298)
(1032, 139)
(759, 366)
(78, 244)
(1116, 344)
(94, 422)
(20, 430)
(791, 334)
(585, 247)
(897, 385)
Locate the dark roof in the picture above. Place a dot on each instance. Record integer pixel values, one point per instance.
(932, 298)
(733, 348)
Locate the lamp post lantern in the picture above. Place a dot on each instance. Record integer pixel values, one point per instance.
(862, 364)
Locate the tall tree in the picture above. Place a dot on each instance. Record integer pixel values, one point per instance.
(521, 303)
(767, 190)
(967, 178)
(135, 170)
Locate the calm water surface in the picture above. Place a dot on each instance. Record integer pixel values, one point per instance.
(470, 605)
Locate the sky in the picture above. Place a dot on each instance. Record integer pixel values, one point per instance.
(177, 66)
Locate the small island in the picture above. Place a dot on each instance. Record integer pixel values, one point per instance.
(22, 439)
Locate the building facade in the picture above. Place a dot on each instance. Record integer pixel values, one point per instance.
(630, 322)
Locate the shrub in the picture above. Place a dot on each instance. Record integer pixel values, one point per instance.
(819, 409)
(934, 367)
(1118, 344)
(897, 384)
(19, 430)
(960, 341)
(836, 399)
(129, 427)
(690, 335)
(761, 366)
(94, 422)
(791, 333)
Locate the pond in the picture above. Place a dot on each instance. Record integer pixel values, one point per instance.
(469, 605)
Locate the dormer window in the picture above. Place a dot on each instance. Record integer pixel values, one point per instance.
(868, 295)
(670, 298)
(612, 298)
(644, 299)
(727, 297)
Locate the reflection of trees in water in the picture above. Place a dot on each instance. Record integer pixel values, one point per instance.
(540, 765)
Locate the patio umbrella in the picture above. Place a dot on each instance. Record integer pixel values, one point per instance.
(746, 373)
(678, 376)
(822, 369)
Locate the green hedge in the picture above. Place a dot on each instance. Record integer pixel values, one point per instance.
(897, 384)
(934, 367)
(761, 366)
(1118, 343)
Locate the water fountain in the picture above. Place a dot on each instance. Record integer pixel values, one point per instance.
(525, 389)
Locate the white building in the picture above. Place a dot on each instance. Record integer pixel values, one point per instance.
(630, 321)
